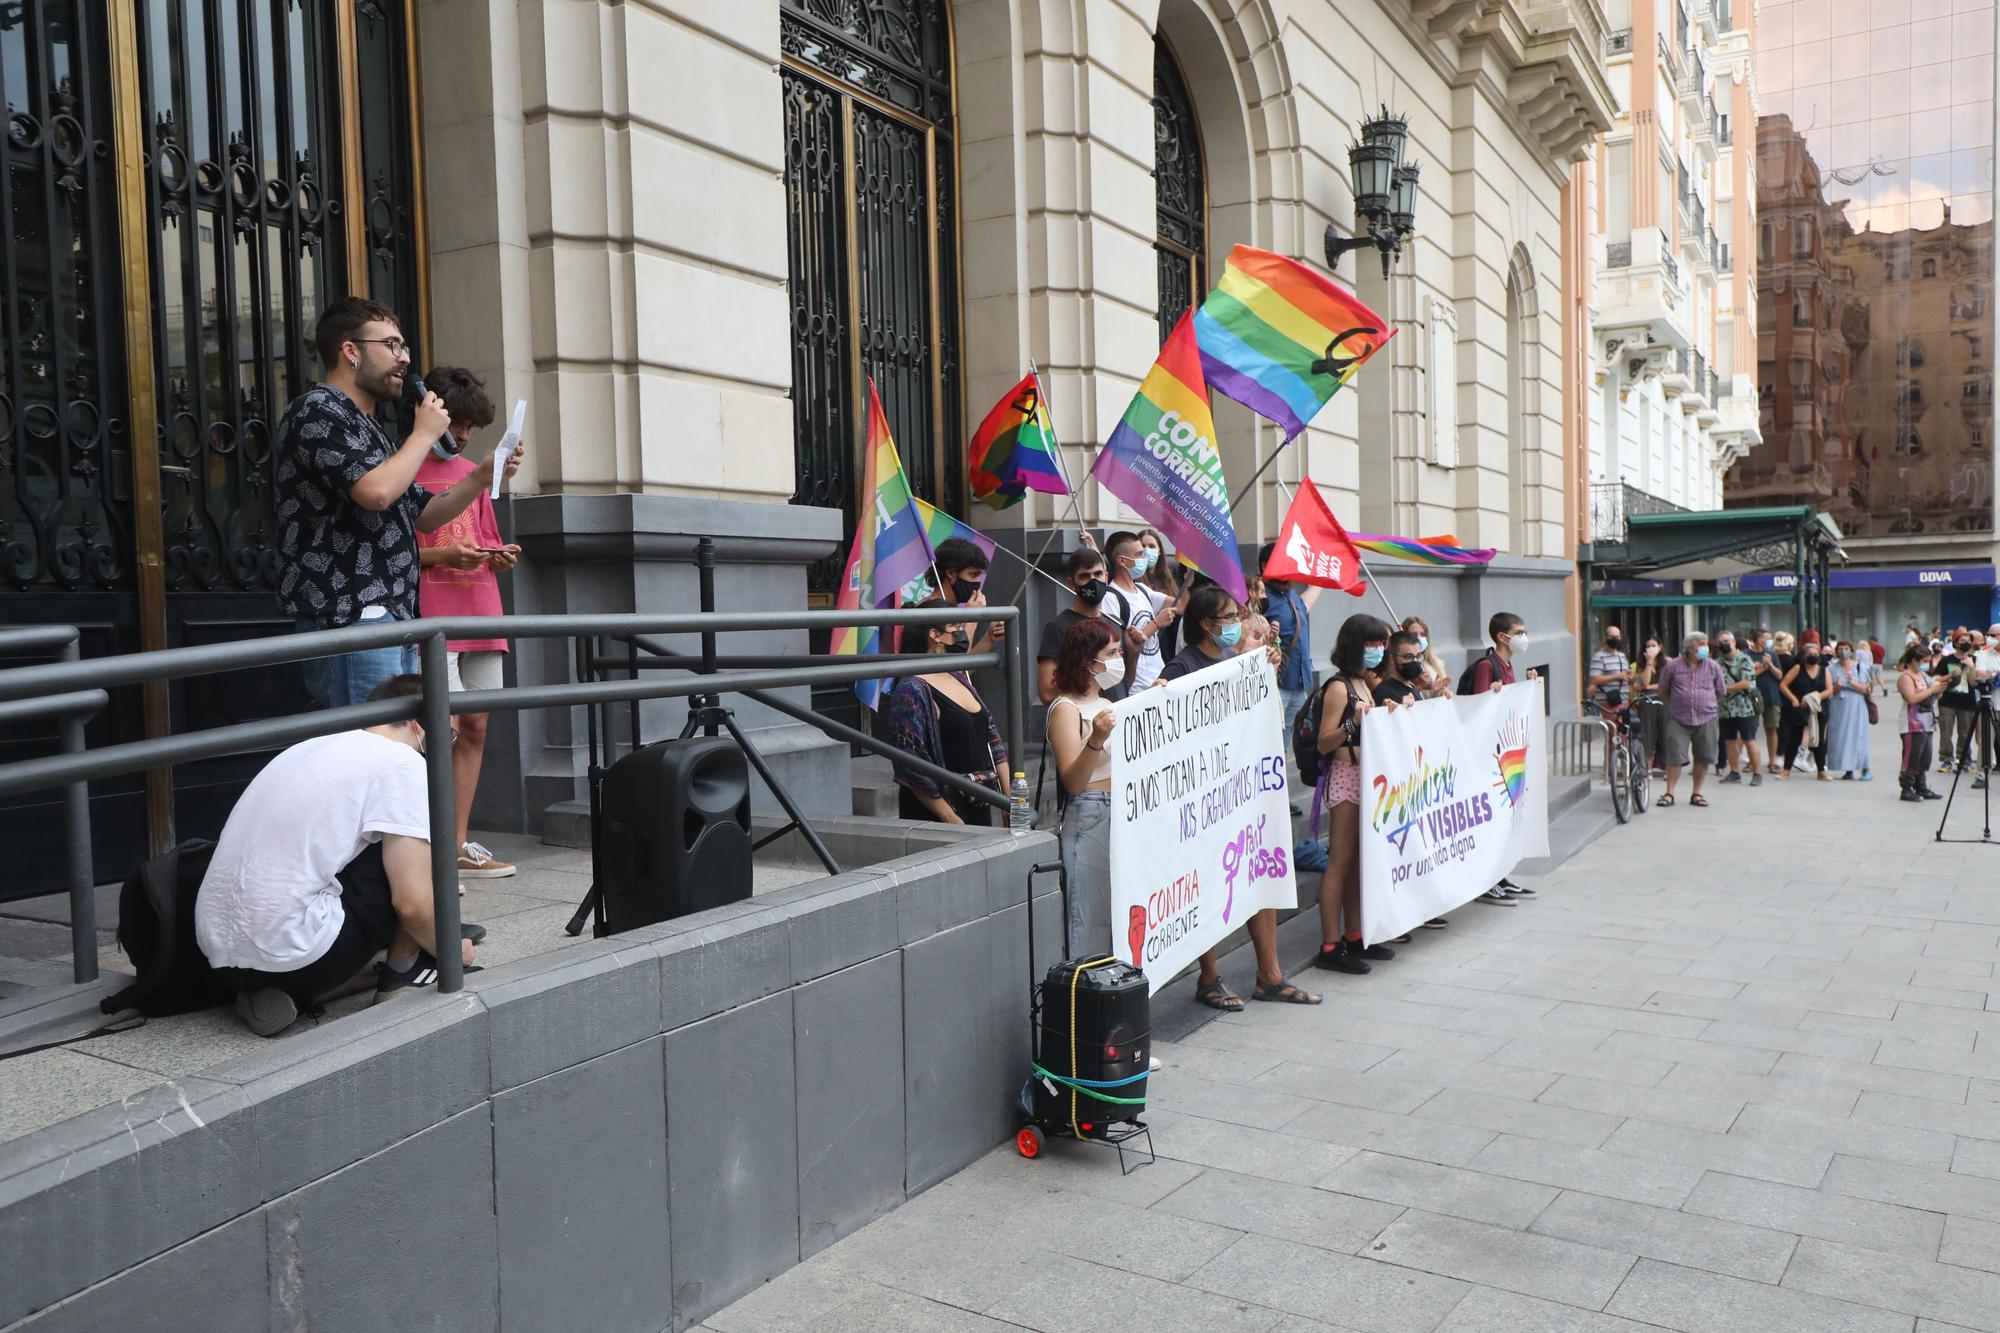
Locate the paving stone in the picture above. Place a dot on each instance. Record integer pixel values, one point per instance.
(1782, 1037)
(1771, 1090)
(1666, 1105)
(1186, 1094)
(1064, 1295)
(1397, 1092)
(1474, 1075)
(1821, 1213)
(1302, 1280)
(1976, 1157)
(1533, 1265)
(1318, 1217)
(1915, 1187)
(1583, 1056)
(51, 1086)
(1509, 1115)
(1449, 1190)
(1580, 1016)
(1706, 1243)
(1396, 1135)
(1780, 1126)
(1703, 1054)
(1981, 1121)
(1970, 1243)
(1591, 1170)
(1896, 1282)
(1697, 1302)
(1252, 1152)
(1486, 1310)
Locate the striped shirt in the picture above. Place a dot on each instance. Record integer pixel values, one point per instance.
(1610, 662)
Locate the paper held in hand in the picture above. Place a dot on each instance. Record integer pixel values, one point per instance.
(508, 444)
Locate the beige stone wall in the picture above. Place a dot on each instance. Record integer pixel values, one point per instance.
(608, 227)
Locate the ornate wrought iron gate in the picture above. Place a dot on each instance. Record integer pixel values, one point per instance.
(1180, 191)
(870, 179)
(187, 183)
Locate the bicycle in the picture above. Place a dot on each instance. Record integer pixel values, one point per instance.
(1627, 766)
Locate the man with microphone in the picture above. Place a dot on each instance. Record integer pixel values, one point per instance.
(349, 506)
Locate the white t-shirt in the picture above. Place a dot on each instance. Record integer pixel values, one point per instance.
(1146, 607)
(1988, 661)
(271, 899)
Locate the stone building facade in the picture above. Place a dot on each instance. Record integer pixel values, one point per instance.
(688, 232)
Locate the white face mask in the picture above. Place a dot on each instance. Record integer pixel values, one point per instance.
(1518, 642)
(1108, 674)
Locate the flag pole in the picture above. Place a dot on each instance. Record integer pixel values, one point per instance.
(1258, 473)
(1376, 584)
(1055, 448)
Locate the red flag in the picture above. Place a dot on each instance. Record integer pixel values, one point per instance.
(1312, 547)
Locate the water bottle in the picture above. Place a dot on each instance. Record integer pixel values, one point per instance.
(1020, 810)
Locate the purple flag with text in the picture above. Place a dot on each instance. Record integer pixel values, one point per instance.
(1162, 461)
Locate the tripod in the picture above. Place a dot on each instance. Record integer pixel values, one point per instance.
(1984, 739)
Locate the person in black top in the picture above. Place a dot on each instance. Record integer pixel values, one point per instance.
(1401, 678)
(349, 507)
(940, 718)
(1086, 572)
(962, 568)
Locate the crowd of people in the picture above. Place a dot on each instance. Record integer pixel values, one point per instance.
(1811, 697)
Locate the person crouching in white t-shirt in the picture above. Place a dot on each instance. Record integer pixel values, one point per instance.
(323, 864)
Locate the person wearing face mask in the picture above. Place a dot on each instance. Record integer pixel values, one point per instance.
(1958, 708)
(1920, 690)
(1289, 609)
(461, 563)
(1691, 686)
(1771, 704)
(1738, 721)
(1214, 630)
(1495, 667)
(1808, 688)
(1094, 599)
(962, 568)
(1611, 671)
(1089, 661)
(1163, 576)
(1361, 646)
(1847, 714)
(1402, 677)
(939, 717)
(1437, 681)
(1130, 562)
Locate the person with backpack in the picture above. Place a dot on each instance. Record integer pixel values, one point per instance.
(1094, 597)
(1213, 629)
(324, 863)
(1361, 646)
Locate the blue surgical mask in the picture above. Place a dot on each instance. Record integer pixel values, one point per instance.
(1372, 657)
(1423, 644)
(1143, 565)
(1229, 635)
(1701, 652)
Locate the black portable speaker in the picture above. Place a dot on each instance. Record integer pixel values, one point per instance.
(674, 836)
(1113, 1029)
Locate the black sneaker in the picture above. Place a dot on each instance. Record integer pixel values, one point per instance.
(1380, 953)
(1340, 958)
(1929, 795)
(388, 981)
(1910, 794)
(267, 1012)
(1516, 891)
(1436, 923)
(1732, 776)
(1496, 897)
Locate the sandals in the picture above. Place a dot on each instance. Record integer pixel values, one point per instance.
(1282, 992)
(1217, 995)
(1698, 800)
(1664, 798)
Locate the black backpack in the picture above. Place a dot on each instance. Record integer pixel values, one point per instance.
(1465, 685)
(1306, 757)
(156, 931)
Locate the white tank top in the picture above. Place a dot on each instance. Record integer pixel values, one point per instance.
(1086, 711)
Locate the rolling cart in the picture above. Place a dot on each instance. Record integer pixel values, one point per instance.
(1090, 1049)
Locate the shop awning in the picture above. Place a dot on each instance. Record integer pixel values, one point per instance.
(1690, 599)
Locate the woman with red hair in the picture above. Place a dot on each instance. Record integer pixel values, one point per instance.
(1090, 658)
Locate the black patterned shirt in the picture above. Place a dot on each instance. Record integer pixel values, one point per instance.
(339, 557)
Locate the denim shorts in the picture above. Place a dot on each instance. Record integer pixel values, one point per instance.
(1086, 856)
(350, 677)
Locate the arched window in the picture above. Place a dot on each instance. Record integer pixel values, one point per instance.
(1180, 191)
(1523, 407)
(869, 172)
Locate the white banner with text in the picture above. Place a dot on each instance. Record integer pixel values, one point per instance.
(1454, 794)
(1201, 831)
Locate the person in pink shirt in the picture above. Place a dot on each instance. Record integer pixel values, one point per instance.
(460, 563)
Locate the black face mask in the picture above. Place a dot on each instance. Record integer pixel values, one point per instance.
(1812, 659)
(962, 590)
(1091, 593)
(1614, 643)
(1410, 670)
(959, 642)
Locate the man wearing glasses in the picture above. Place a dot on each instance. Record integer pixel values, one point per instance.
(1401, 677)
(349, 506)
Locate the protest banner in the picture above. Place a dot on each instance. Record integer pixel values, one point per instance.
(1201, 833)
(1454, 794)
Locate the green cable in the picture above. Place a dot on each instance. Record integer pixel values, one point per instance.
(1074, 1086)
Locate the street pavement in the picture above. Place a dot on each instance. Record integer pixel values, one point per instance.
(1736, 1070)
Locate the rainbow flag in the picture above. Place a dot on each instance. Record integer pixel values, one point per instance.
(1013, 451)
(1162, 461)
(1280, 339)
(940, 526)
(891, 545)
(1439, 550)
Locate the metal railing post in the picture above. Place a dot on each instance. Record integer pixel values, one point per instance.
(1017, 707)
(444, 813)
(704, 571)
(76, 826)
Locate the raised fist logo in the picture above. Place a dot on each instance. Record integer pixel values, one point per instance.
(1135, 929)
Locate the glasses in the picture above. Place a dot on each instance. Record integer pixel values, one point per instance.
(1409, 657)
(393, 346)
(1234, 617)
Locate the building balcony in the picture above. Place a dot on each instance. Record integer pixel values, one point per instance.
(1725, 258)
(1738, 430)
(1612, 504)
(1642, 296)
(1678, 376)
(1548, 53)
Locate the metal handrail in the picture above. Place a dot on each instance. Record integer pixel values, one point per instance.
(41, 690)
